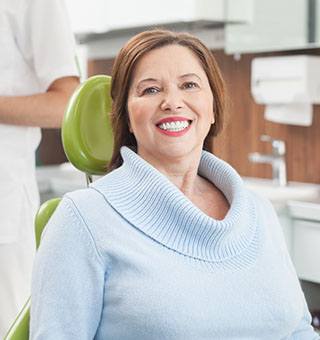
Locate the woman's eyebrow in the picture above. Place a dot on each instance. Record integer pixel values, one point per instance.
(187, 75)
(146, 80)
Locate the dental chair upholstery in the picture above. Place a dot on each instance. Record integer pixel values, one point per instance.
(88, 144)
(86, 131)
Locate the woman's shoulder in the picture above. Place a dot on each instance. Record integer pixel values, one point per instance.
(268, 219)
(86, 201)
(261, 201)
(82, 214)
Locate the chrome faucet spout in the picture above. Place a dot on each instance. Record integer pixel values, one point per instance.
(276, 159)
(257, 157)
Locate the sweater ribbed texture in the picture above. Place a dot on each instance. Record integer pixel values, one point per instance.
(149, 201)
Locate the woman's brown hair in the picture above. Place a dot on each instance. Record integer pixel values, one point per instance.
(122, 73)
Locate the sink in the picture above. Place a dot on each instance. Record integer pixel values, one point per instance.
(277, 194)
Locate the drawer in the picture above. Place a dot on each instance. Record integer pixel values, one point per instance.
(306, 249)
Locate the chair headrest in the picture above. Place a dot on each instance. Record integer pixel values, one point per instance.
(86, 130)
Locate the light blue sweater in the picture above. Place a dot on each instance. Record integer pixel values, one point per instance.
(132, 258)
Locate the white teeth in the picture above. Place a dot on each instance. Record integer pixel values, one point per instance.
(174, 126)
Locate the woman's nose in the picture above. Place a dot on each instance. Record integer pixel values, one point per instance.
(172, 101)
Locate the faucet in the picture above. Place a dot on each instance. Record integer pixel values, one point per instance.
(276, 159)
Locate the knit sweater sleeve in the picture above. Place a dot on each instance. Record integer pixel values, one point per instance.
(68, 280)
(304, 330)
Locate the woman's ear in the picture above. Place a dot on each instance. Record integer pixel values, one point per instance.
(213, 118)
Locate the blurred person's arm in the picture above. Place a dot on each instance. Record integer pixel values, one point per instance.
(44, 109)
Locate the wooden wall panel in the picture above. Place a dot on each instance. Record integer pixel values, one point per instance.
(246, 124)
(100, 67)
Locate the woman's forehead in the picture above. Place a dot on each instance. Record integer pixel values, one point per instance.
(174, 59)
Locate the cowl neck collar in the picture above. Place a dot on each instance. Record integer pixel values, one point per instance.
(152, 204)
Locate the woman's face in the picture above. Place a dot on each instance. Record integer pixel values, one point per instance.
(170, 105)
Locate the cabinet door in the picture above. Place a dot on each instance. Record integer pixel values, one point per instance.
(306, 249)
(100, 16)
(276, 25)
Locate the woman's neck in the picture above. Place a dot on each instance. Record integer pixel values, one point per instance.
(181, 172)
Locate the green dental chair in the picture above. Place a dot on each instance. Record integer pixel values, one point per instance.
(88, 143)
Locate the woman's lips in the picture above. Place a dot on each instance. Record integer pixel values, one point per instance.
(172, 119)
(174, 126)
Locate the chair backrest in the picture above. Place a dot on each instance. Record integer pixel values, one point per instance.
(88, 144)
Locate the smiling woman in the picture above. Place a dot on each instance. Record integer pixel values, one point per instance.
(169, 244)
(170, 96)
(125, 71)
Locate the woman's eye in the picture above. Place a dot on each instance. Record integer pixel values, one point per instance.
(190, 85)
(150, 90)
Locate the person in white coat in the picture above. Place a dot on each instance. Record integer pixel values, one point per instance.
(38, 74)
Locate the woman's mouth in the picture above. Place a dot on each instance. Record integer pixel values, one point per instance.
(174, 126)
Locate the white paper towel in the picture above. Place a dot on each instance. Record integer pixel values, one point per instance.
(293, 114)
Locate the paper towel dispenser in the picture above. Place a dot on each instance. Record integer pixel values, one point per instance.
(288, 85)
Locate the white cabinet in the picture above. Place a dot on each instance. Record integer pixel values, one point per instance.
(276, 25)
(306, 249)
(97, 16)
(305, 238)
(105, 25)
(239, 11)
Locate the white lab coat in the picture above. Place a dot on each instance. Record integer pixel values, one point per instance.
(37, 47)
